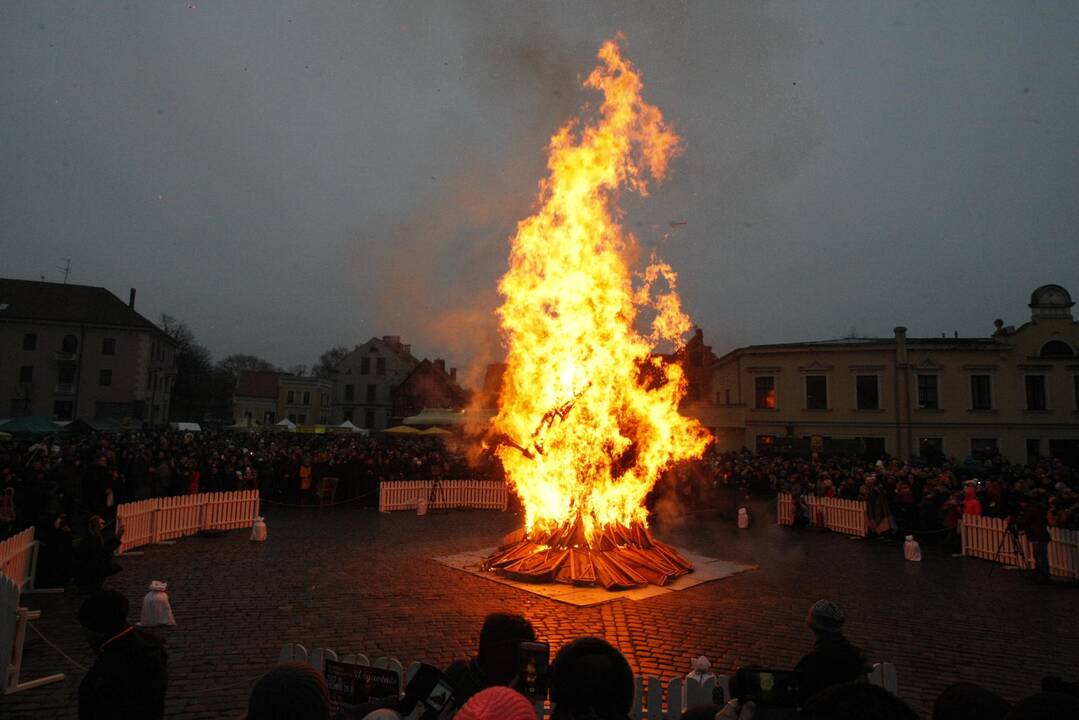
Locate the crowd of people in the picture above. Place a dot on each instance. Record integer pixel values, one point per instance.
(589, 679)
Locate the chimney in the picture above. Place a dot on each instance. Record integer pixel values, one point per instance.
(131, 299)
(453, 374)
(901, 344)
(441, 365)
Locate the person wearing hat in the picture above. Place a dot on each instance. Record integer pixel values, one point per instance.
(833, 659)
(129, 676)
(591, 679)
(1034, 522)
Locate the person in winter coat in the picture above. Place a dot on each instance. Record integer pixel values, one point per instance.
(129, 676)
(833, 659)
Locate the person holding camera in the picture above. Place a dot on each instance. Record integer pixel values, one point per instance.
(497, 662)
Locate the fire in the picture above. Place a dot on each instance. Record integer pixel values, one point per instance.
(588, 415)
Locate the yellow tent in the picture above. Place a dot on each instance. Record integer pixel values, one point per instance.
(401, 430)
(435, 431)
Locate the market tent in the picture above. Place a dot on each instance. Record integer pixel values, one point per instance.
(286, 424)
(186, 426)
(30, 425)
(347, 426)
(401, 430)
(435, 431)
(84, 426)
(436, 416)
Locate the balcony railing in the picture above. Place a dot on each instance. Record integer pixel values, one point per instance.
(65, 388)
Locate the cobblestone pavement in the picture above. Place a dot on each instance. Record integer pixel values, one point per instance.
(355, 580)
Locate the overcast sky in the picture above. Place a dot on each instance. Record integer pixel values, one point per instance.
(285, 177)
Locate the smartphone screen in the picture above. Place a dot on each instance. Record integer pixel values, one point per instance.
(533, 659)
(770, 688)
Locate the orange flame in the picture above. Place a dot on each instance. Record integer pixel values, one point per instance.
(588, 414)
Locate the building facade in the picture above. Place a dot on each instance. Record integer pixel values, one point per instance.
(363, 382)
(1015, 392)
(254, 400)
(75, 351)
(429, 385)
(304, 400)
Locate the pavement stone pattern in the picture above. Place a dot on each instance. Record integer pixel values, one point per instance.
(358, 581)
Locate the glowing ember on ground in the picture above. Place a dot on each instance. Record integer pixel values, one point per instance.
(588, 415)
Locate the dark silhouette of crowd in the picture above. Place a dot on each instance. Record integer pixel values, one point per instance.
(590, 679)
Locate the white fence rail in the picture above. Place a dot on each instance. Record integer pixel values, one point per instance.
(650, 702)
(845, 516)
(986, 538)
(18, 556)
(160, 519)
(13, 622)
(407, 494)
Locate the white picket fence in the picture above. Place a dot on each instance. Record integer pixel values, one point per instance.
(18, 556)
(649, 700)
(161, 519)
(982, 538)
(845, 516)
(407, 494)
(13, 623)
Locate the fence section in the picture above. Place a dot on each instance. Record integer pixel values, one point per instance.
(407, 494)
(989, 539)
(845, 516)
(17, 558)
(160, 519)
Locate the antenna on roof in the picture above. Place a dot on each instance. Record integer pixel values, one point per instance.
(66, 267)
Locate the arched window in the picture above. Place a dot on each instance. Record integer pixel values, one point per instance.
(70, 344)
(1057, 349)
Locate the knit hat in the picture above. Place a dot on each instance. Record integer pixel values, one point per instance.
(826, 617)
(497, 703)
(104, 612)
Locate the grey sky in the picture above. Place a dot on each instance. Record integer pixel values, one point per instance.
(289, 176)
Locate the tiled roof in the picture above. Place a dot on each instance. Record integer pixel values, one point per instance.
(59, 302)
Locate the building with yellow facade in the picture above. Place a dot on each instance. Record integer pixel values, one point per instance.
(1015, 392)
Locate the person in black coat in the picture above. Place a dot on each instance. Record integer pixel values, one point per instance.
(93, 561)
(129, 677)
(833, 659)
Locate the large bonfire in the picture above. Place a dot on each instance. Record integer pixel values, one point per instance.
(588, 414)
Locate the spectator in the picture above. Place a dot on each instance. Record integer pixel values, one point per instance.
(497, 660)
(1045, 706)
(966, 701)
(129, 676)
(971, 504)
(856, 701)
(93, 561)
(497, 703)
(591, 679)
(833, 659)
(288, 692)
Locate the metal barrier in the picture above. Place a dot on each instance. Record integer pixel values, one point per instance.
(408, 494)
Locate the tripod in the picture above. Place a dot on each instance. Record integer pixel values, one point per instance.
(1011, 539)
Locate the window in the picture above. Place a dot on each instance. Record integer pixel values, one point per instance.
(291, 398)
(268, 417)
(301, 419)
(70, 344)
(371, 393)
(764, 392)
(816, 392)
(867, 389)
(322, 419)
(29, 341)
(380, 366)
(983, 447)
(62, 409)
(350, 393)
(981, 392)
(66, 374)
(26, 374)
(928, 393)
(693, 393)
(104, 378)
(874, 447)
(1056, 349)
(369, 419)
(930, 448)
(765, 442)
(1035, 386)
(365, 366)
(108, 346)
(307, 398)
(1034, 451)
(348, 415)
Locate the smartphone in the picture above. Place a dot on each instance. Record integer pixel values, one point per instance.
(533, 660)
(768, 688)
